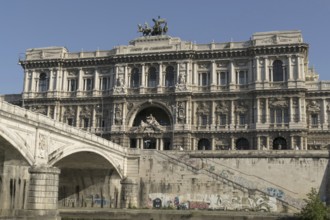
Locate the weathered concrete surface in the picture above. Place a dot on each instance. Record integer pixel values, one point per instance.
(145, 214)
(248, 181)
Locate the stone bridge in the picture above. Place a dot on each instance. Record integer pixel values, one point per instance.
(46, 165)
(34, 149)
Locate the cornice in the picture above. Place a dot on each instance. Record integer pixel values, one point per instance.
(167, 56)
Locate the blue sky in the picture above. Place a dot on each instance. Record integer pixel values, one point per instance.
(88, 25)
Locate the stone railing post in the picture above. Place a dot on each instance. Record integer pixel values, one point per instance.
(43, 192)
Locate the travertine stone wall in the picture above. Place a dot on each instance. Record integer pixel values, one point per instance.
(43, 189)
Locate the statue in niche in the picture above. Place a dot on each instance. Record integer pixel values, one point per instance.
(182, 78)
(120, 85)
(118, 118)
(181, 113)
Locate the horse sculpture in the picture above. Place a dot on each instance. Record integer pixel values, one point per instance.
(157, 29)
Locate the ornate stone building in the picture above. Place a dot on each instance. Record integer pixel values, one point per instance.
(160, 92)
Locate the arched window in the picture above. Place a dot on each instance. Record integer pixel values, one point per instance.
(152, 82)
(43, 82)
(169, 77)
(135, 78)
(242, 144)
(279, 143)
(204, 144)
(278, 73)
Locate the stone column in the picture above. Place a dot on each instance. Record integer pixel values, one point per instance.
(257, 68)
(232, 76)
(43, 192)
(258, 142)
(232, 140)
(142, 81)
(291, 109)
(26, 81)
(129, 193)
(232, 114)
(33, 82)
(292, 142)
(266, 70)
(258, 111)
(195, 77)
(96, 80)
(267, 110)
(324, 115)
(213, 74)
(51, 80)
(267, 142)
(160, 74)
(177, 73)
(289, 69)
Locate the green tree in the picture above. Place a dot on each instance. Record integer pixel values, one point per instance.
(314, 209)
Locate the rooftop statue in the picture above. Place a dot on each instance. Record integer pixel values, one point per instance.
(159, 28)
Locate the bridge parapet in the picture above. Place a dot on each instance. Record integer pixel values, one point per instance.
(21, 114)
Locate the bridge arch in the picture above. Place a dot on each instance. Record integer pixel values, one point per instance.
(61, 154)
(17, 143)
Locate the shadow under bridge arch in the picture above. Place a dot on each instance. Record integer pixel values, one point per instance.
(88, 179)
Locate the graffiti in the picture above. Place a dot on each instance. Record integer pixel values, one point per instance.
(198, 205)
(229, 200)
(157, 203)
(275, 192)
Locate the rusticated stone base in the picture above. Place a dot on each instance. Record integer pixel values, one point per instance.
(43, 193)
(129, 193)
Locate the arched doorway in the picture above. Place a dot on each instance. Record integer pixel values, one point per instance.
(279, 143)
(242, 144)
(204, 144)
(153, 128)
(88, 180)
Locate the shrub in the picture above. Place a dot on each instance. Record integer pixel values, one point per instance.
(314, 209)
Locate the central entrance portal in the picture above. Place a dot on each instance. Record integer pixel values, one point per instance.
(152, 129)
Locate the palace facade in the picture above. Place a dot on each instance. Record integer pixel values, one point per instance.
(160, 92)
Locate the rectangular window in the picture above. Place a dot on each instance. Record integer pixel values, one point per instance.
(223, 78)
(203, 79)
(104, 83)
(242, 119)
(241, 78)
(88, 84)
(72, 85)
(86, 123)
(223, 119)
(279, 118)
(314, 118)
(204, 120)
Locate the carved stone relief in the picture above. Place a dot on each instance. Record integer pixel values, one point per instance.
(313, 107)
(43, 146)
(222, 107)
(150, 125)
(279, 103)
(241, 107)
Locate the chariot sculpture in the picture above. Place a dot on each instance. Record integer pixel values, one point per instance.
(159, 28)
